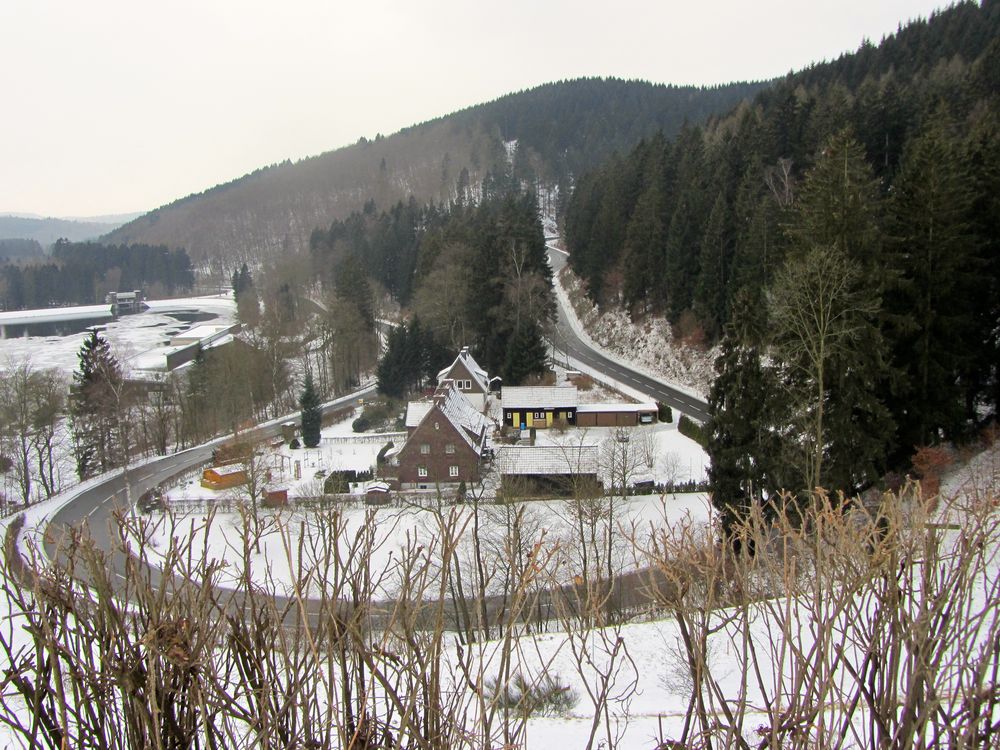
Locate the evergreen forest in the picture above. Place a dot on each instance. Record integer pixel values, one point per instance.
(82, 273)
(839, 235)
(473, 274)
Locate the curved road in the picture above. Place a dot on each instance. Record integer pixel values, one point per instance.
(96, 504)
(567, 341)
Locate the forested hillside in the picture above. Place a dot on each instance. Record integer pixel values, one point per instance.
(474, 274)
(841, 230)
(682, 223)
(561, 127)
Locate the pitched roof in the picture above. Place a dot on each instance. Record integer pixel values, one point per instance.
(474, 426)
(416, 411)
(547, 459)
(540, 397)
(620, 408)
(477, 372)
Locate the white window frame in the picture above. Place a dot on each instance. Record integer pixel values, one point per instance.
(421, 471)
(449, 448)
(425, 449)
(453, 472)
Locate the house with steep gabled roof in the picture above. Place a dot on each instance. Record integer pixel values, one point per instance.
(469, 378)
(445, 445)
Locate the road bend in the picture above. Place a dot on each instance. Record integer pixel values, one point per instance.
(565, 339)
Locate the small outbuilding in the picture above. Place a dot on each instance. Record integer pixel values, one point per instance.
(223, 477)
(615, 415)
(548, 471)
(276, 498)
(539, 406)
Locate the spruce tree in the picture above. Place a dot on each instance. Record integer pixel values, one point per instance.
(941, 286)
(527, 355)
(95, 399)
(743, 435)
(829, 323)
(311, 415)
(390, 372)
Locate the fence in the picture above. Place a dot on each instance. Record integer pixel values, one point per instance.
(378, 438)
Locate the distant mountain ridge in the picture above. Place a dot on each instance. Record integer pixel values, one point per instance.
(46, 230)
(561, 128)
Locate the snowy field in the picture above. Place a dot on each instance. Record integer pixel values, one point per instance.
(649, 687)
(662, 455)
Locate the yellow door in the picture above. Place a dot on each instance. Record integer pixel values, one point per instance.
(548, 419)
(515, 419)
(529, 419)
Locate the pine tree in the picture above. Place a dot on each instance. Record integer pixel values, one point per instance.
(743, 435)
(941, 285)
(527, 355)
(829, 323)
(95, 398)
(311, 415)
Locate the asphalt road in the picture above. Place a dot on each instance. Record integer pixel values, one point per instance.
(96, 505)
(565, 340)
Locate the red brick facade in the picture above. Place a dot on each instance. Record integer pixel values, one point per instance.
(437, 446)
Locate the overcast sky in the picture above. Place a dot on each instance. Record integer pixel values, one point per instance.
(114, 106)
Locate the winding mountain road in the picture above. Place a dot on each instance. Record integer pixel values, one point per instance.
(566, 340)
(97, 504)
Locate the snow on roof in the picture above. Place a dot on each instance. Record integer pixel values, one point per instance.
(477, 372)
(538, 397)
(547, 459)
(197, 333)
(227, 469)
(646, 406)
(472, 424)
(416, 411)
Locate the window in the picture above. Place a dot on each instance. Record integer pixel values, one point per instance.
(452, 471)
(450, 448)
(467, 385)
(421, 471)
(425, 448)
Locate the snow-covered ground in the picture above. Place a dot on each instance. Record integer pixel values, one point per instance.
(649, 695)
(659, 454)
